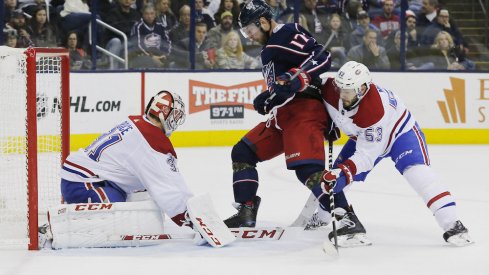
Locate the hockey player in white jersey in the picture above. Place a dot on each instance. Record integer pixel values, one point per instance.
(135, 155)
(380, 126)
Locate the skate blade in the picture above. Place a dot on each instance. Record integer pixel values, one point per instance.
(353, 240)
(462, 239)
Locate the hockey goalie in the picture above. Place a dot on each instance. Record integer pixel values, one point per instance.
(135, 155)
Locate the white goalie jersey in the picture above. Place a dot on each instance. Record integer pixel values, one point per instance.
(135, 155)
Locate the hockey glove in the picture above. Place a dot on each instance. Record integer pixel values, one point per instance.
(341, 176)
(332, 133)
(287, 86)
(260, 103)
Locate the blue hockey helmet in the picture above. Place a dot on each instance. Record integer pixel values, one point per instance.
(251, 12)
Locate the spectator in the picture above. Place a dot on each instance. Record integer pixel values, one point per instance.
(337, 42)
(427, 15)
(213, 6)
(289, 18)
(278, 7)
(18, 22)
(78, 57)
(201, 16)
(231, 55)
(446, 56)
(75, 16)
(413, 35)
(153, 43)
(181, 30)
(205, 56)
(329, 6)
(176, 5)
(412, 60)
(11, 37)
(317, 20)
(442, 23)
(363, 25)
(369, 52)
(164, 14)
(215, 35)
(31, 7)
(9, 7)
(43, 34)
(415, 5)
(228, 5)
(349, 13)
(387, 22)
(122, 17)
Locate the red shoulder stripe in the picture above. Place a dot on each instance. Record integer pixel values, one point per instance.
(370, 109)
(154, 136)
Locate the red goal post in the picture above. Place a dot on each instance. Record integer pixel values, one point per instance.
(34, 139)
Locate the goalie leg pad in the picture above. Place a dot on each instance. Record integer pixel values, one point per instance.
(103, 224)
(205, 221)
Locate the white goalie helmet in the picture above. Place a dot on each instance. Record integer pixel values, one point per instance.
(169, 108)
(350, 78)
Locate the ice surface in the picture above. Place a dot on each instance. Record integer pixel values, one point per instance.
(406, 238)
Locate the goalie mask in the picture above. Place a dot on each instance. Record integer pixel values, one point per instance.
(169, 108)
(349, 81)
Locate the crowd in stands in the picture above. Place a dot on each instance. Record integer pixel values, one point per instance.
(158, 32)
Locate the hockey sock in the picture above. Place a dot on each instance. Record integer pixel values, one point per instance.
(245, 182)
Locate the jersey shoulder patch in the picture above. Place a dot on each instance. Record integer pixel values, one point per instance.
(329, 93)
(153, 135)
(370, 109)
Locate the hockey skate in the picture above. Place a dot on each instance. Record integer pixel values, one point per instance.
(350, 230)
(45, 237)
(458, 235)
(246, 216)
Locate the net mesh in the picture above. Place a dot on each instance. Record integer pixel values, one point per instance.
(13, 142)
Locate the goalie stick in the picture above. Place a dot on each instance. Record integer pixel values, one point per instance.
(243, 234)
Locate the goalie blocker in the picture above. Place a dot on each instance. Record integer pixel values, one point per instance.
(103, 224)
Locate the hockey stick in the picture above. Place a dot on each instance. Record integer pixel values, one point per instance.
(304, 67)
(245, 234)
(307, 212)
(329, 248)
(331, 196)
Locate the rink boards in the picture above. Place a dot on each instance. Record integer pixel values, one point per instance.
(452, 108)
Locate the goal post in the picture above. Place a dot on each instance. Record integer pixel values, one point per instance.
(34, 139)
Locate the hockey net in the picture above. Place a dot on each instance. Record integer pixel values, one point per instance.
(34, 139)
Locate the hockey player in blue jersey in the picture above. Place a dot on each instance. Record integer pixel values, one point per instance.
(380, 126)
(297, 119)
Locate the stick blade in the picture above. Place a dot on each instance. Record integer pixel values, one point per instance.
(307, 212)
(330, 250)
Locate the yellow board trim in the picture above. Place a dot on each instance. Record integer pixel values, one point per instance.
(231, 137)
